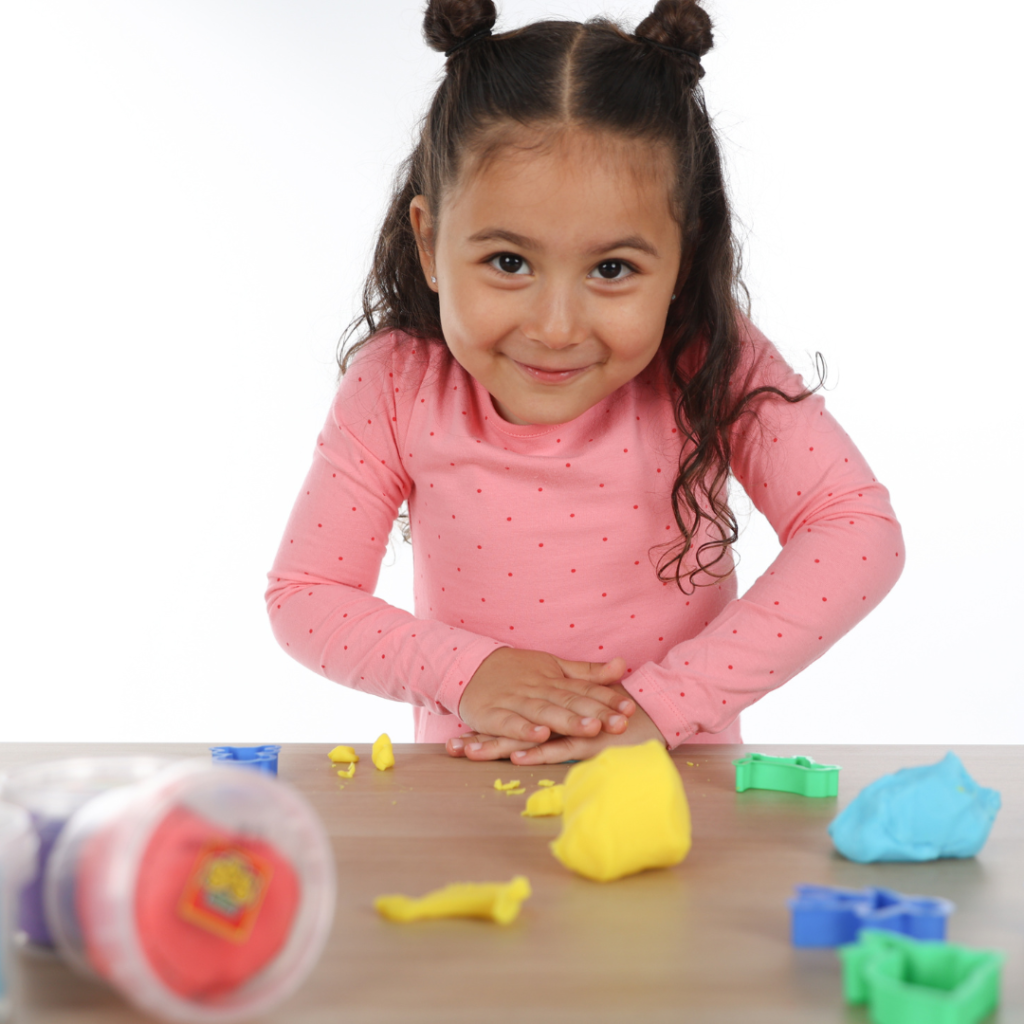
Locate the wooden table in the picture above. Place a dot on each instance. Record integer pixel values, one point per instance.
(706, 942)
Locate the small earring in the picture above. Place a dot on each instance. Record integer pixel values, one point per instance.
(433, 280)
(673, 298)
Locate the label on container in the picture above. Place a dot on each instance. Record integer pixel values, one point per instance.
(225, 890)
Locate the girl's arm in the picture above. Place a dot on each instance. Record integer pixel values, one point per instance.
(320, 595)
(842, 551)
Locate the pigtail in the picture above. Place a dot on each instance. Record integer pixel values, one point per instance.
(680, 27)
(451, 24)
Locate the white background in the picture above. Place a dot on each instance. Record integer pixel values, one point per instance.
(188, 196)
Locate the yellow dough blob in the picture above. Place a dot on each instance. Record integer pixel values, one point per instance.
(546, 782)
(348, 772)
(545, 803)
(493, 901)
(498, 784)
(343, 755)
(624, 811)
(383, 755)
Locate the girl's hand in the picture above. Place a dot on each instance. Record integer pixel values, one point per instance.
(528, 695)
(477, 747)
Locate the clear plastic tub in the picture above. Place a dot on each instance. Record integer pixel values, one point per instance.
(51, 792)
(18, 846)
(203, 894)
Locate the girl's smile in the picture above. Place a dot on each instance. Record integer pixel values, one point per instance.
(551, 376)
(555, 264)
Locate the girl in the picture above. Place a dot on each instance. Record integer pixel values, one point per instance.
(554, 375)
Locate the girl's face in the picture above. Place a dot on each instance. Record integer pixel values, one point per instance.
(555, 266)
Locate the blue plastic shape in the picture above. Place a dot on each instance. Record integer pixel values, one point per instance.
(917, 814)
(824, 916)
(263, 759)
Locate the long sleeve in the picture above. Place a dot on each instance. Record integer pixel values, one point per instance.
(842, 551)
(320, 595)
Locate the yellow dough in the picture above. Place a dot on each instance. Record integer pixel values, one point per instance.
(546, 782)
(498, 784)
(545, 803)
(348, 772)
(624, 811)
(383, 755)
(493, 901)
(343, 755)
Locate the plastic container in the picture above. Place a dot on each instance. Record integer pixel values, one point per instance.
(205, 893)
(51, 792)
(263, 758)
(18, 846)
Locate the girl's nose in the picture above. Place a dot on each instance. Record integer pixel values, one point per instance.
(554, 319)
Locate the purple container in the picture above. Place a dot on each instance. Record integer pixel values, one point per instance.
(51, 793)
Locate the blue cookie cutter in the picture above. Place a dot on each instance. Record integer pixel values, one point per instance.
(798, 775)
(827, 916)
(904, 981)
(263, 759)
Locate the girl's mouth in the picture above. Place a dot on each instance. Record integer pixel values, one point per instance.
(550, 376)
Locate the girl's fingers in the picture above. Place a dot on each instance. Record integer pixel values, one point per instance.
(603, 672)
(514, 725)
(565, 748)
(456, 746)
(490, 748)
(607, 695)
(572, 710)
(574, 717)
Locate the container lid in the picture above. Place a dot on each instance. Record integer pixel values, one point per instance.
(18, 845)
(56, 789)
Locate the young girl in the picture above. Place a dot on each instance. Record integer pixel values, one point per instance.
(555, 375)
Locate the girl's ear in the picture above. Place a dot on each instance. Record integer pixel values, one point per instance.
(423, 228)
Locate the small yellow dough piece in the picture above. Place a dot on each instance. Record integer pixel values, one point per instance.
(498, 784)
(343, 755)
(493, 901)
(349, 772)
(624, 811)
(546, 782)
(514, 792)
(383, 754)
(545, 803)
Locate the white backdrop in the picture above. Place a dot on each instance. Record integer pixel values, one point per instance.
(188, 195)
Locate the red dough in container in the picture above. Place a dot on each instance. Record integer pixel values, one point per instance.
(212, 909)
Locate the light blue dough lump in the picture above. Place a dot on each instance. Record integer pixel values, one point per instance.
(923, 813)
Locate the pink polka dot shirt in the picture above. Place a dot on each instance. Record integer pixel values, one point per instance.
(546, 537)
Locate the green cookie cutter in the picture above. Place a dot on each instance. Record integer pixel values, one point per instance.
(909, 981)
(798, 775)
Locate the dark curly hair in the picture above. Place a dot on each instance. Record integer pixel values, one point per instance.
(642, 86)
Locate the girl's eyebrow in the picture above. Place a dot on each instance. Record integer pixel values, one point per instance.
(522, 242)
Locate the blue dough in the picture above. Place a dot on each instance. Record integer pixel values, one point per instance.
(923, 813)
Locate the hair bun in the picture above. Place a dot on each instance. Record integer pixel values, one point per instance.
(447, 23)
(681, 24)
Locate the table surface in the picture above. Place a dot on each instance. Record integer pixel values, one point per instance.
(705, 942)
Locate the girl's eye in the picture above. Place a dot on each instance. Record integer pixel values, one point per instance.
(510, 263)
(612, 270)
